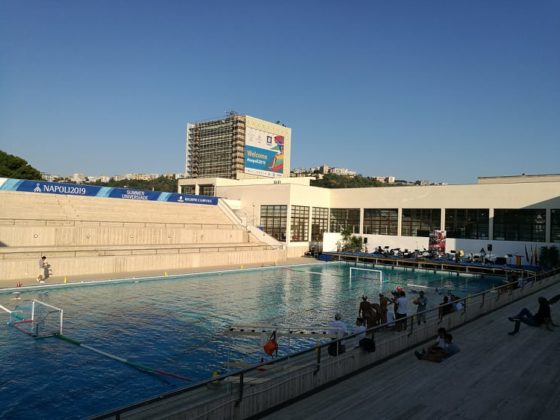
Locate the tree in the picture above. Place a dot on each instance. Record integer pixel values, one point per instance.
(349, 241)
(355, 243)
(15, 167)
(161, 183)
(549, 257)
(345, 181)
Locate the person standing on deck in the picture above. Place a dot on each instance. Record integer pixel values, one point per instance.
(44, 269)
(422, 302)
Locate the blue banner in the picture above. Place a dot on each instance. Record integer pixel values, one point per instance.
(44, 187)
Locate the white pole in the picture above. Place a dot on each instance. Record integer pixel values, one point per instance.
(6, 309)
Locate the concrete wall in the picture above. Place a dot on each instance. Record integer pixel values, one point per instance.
(89, 235)
(129, 261)
(543, 195)
(510, 196)
(499, 248)
(104, 235)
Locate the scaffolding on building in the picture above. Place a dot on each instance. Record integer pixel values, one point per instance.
(216, 148)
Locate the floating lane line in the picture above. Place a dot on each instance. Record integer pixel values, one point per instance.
(137, 366)
(316, 272)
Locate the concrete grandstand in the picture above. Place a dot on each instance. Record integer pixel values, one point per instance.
(93, 235)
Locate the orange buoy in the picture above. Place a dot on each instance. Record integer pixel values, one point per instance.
(271, 345)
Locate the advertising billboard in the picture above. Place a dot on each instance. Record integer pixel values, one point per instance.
(264, 153)
(44, 187)
(437, 242)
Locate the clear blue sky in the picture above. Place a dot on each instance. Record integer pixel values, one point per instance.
(439, 90)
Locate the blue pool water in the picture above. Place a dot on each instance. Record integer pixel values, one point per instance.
(177, 325)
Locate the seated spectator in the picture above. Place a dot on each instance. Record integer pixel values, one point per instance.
(338, 328)
(440, 341)
(445, 307)
(457, 303)
(542, 317)
(360, 331)
(438, 354)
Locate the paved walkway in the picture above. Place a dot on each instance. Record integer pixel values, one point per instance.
(114, 276)
(495, 376)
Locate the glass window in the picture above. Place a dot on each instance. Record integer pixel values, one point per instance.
(319, 223)
(555, 225)
(381, 221)
(299, 225)
(467, 223)
(187, 189)
(273, 221)
(420, 222)
(207, 190)
(520, 225)
(345, 219)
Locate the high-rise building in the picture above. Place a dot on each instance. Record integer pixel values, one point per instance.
(237, 147)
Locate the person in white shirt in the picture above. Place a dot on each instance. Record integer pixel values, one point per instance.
(401, 311)
(44, 269)
(339, 329)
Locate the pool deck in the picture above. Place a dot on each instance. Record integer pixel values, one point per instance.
(495, 376)
(5, 284)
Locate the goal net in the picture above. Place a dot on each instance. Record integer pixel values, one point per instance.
(38, 319)
(376, 276)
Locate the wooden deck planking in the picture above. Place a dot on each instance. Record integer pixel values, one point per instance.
(495, 376)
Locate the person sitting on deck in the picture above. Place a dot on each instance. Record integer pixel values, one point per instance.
(438, 354)
(360, 331)
(338, 328)
(440, 341)
(542, 317)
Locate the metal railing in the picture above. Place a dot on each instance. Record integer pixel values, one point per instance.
(108, 223)
(126, 250)
(287, 377)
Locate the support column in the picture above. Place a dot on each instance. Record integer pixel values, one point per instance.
(548, 226)
(361, 232)
(490, 224)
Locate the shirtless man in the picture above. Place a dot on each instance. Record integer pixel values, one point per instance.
(368, 312)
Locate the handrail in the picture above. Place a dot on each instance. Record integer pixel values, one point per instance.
(434, 316)
(427, 264)
(89, 223)
(186, 248)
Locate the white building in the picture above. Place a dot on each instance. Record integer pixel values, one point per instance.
(511, 213)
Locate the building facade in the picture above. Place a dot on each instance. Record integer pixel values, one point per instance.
(516, 217)
(237, 147)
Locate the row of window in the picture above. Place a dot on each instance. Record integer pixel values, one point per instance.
(509, 224)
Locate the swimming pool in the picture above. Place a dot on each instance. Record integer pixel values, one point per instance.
(178, 325)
